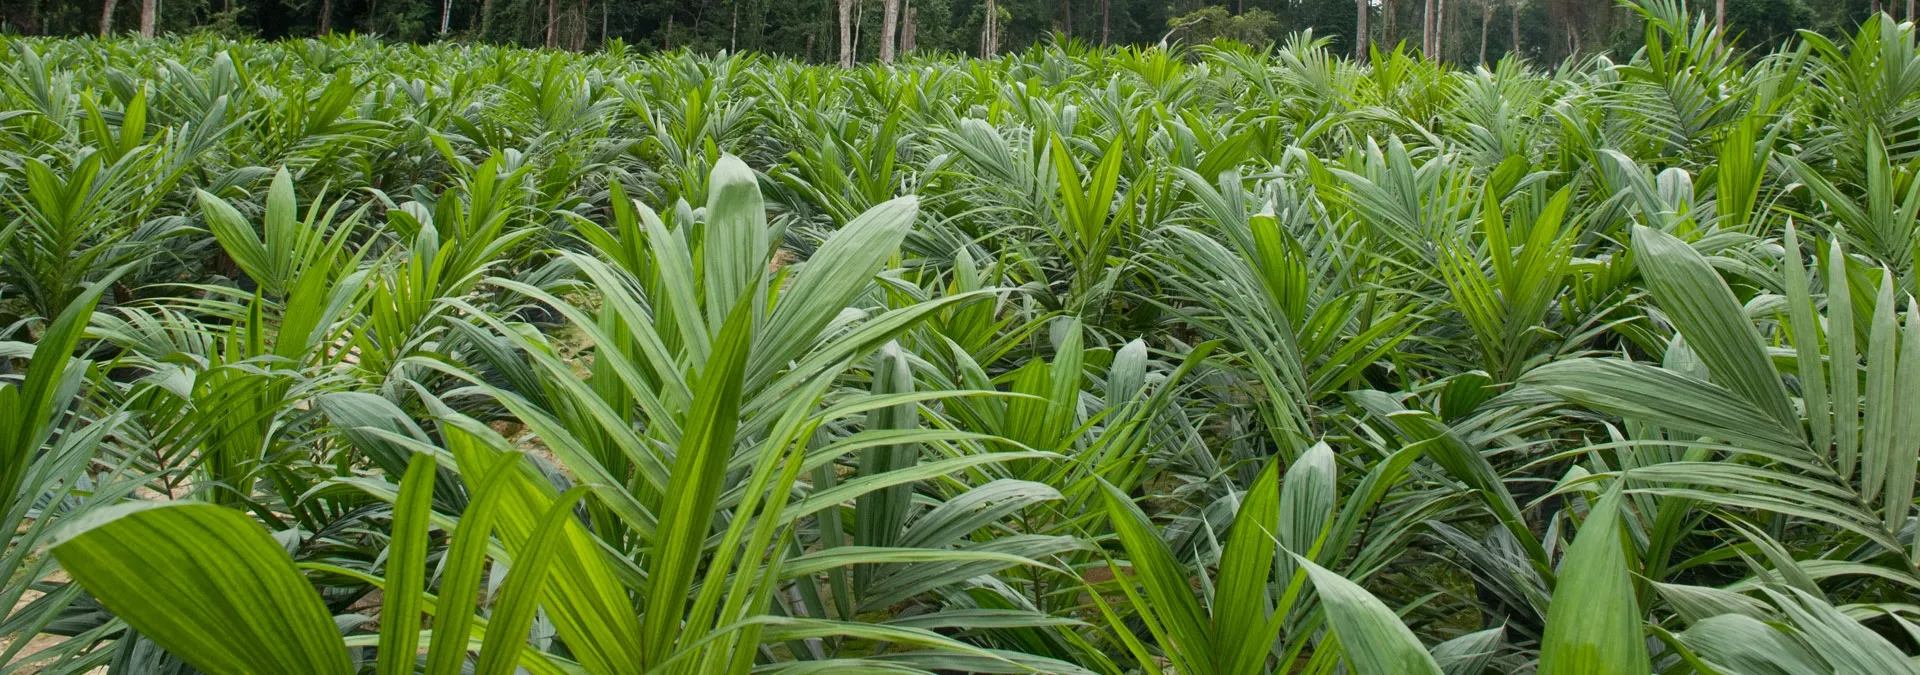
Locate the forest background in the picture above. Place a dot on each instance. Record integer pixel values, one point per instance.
(1457, 31)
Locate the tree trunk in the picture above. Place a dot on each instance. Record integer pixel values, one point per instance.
(909, 33)
(446, 14)
(1486, 21)
(1720, 17)
(1390, 32)
(552, 14)
(1427, 30)
(814, 34)
(1440, 30)
(846, 33)
(1066, 27)
(147, 11)
(1360, 35)
(990, 31)
(106, 18)
(1515, 7)
(1106, 24)
(889, 28)
(581, 31)
(1577, 25)
(985, 29)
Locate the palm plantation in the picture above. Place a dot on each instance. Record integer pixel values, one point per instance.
(342, 356)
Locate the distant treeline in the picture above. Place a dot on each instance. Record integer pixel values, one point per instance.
(1462, 31)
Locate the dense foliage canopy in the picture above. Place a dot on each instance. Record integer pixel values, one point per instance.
(340, 355)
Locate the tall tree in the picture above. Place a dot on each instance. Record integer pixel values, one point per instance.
(1390, 33)
(1720, 16)
(1486, 21)
(1362, 39)
(1106, 24)
(1426, 29)
(1573, 23)
(580, 31)
(1432, 29)
(106, 18)
(846, 33)
(909, 29)
(147, 11)
(889, 28)
(1513, 9)
(989, 30)
(552, 21)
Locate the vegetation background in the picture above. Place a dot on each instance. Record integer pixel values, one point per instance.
(1458, 31)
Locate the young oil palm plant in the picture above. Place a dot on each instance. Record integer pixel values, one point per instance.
(55, 430)
(1718, 429)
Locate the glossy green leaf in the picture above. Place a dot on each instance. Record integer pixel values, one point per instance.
(208, 584)
(1594, 623)
(1372, 637)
